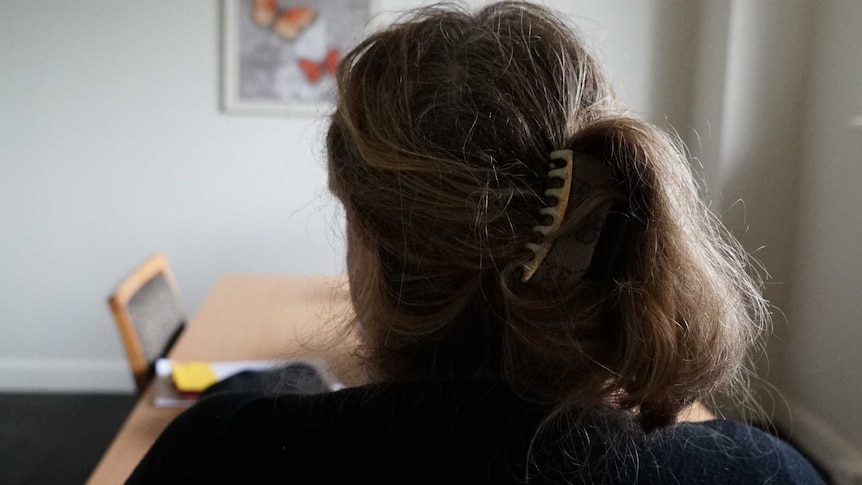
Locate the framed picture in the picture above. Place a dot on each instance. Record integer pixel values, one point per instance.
(279, 56)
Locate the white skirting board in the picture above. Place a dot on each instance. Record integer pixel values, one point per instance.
(65, 375)
(822, 442)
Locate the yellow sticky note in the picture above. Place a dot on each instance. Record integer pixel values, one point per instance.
(192, 376)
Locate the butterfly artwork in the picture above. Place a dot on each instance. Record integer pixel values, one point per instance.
(293, 21)
(281, 56)
(314, 70)
(289, 23)
(263, 12)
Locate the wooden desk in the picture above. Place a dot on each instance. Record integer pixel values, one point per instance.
(245, 317)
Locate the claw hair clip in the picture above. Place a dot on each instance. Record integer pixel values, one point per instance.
(560, 168)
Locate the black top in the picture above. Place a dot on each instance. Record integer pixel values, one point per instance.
(449, 432)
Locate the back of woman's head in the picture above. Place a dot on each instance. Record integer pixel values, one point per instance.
(439, 150)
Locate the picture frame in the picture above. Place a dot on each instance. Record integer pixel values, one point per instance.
(278, 57)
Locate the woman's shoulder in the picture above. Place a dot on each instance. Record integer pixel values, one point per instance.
(726, 451)
(465, 428)
(233, 434)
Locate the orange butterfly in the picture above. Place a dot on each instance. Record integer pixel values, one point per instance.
(263, 12)
(315, 70)
(289, 24)
(293, 21)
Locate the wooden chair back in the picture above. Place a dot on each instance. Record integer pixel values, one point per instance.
(149, 315)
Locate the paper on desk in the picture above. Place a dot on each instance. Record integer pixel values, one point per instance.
(166, 394)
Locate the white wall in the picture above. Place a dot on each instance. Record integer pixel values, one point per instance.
(777, 83)
(112, 147)
(824, 343)
(748, 112)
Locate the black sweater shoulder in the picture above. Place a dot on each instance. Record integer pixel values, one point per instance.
(429, 432)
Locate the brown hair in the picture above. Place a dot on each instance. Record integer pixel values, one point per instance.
(438, 150)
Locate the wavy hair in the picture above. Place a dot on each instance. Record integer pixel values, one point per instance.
(438, 149)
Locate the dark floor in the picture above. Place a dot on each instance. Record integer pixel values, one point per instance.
(57, 438)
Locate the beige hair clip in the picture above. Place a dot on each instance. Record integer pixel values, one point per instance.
(557, 212)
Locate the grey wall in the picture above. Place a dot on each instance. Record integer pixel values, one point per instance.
(747, 115)
(823, 359)
(777, 83)
(112, 147)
